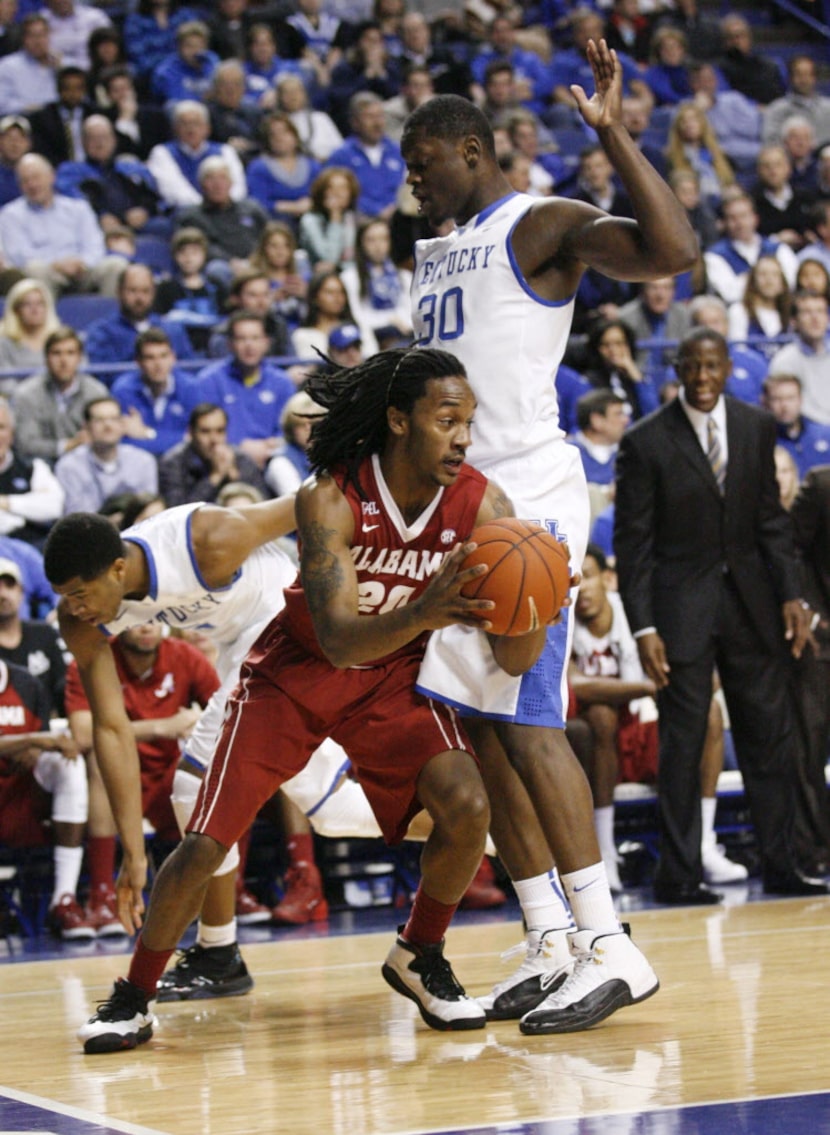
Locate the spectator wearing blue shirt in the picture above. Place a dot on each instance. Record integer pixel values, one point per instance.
(38, 597)
(251, 390)
(155, 418)
(570, 387)
(602, 418)
(808, 442)
(572, 66)
(187, 72)
(667, 76)
(150, 33)
(530, 75)
(280, 178)
(366, 67)
(15, 141)
(117, 186)
(263, 66)
(112, 340)
(373, 157)
(27, 77)
(749, 367)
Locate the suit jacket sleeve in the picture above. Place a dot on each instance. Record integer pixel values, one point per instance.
(634, 511)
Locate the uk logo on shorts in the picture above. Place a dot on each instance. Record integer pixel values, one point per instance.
(449, 536)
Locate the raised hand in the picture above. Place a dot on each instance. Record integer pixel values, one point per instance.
(604, 107)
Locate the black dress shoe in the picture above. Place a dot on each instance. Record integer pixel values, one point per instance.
(686, 894)
(794, 883)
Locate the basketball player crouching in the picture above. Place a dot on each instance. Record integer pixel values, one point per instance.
(381, 536)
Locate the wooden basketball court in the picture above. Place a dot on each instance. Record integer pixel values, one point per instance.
(323, 1047)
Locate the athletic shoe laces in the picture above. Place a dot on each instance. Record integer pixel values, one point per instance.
(125, 1001)
(437, 977)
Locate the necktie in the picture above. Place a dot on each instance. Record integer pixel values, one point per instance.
(715, 454)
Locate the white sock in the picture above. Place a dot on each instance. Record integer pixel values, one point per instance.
(212, 936)
(708, 807)
(543, 902)
(590, 899)
(67, 871)
(604, 824)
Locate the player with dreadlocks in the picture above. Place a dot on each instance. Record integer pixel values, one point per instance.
(384, 530)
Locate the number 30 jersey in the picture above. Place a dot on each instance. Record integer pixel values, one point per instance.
(394, 561)
(469, 298)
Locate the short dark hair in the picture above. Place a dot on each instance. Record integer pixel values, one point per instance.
(701, 335)
(60, 335)
(151, 335)
(201, 411)
(70, 71)
(82, 545)
(596, 553)
(450, 118)
(245, 317)
(595, 402)
(93, 402)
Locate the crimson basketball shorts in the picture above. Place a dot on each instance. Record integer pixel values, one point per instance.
(287, 702)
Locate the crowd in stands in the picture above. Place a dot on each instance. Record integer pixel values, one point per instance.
(220, 189)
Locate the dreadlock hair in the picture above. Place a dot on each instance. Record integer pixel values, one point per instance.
(82, 544)
(450, 118)
(358, 397)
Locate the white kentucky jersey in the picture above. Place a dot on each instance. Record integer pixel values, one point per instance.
(179, 597)
(470, 298)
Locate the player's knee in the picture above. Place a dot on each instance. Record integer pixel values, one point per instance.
(604, 720)
(466, 807)
(197, 856)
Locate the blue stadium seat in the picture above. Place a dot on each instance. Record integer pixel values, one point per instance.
(79, 311)
(154, 251)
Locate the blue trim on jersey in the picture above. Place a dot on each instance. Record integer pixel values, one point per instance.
(151, 564)
(463, 709)
(202, 581)
(344, 768)
(520, 280)
(194, 762)
(490, 209)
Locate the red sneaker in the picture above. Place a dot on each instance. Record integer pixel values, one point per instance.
(482, 893)
(100, 911)
(303, 900)
(249, 911)
(68, 920)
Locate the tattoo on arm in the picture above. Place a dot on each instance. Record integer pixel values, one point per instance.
(322, 575)
(501, 505)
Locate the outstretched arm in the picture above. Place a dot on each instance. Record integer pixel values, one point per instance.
(223, 538)
(566, 235)
(114, 743)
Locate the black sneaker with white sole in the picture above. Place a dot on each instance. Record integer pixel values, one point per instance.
(121, 1022)
(424, 975)
(205, 972)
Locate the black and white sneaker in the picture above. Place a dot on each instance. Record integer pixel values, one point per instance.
(609, 973)
(123, 1021)
(203, 972)
(546, 964)
(424, 975)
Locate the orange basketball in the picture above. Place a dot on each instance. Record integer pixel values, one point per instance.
(528, 577)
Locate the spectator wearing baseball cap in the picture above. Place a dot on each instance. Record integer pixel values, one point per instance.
(15, 141)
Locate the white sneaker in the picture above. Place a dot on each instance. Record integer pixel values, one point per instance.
(122, 1021)
(717, 869)
(609, 973)
(424, 975)
(547, 962)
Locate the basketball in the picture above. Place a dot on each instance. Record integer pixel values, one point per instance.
(528, 577)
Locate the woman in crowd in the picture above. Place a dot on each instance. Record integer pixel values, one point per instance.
(765, 308)
(693, 145)
(668, 76)
(318, 134)
(813, 277)
(611, 362)
(328, 230)
(378, 290)
(281, 177)
(263, 67)
(289, 467)
(288, 270)
(328, 307)
(28, 321)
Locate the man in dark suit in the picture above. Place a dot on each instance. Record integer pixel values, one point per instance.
(709, 577)
(56, 127)
(811, 517)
